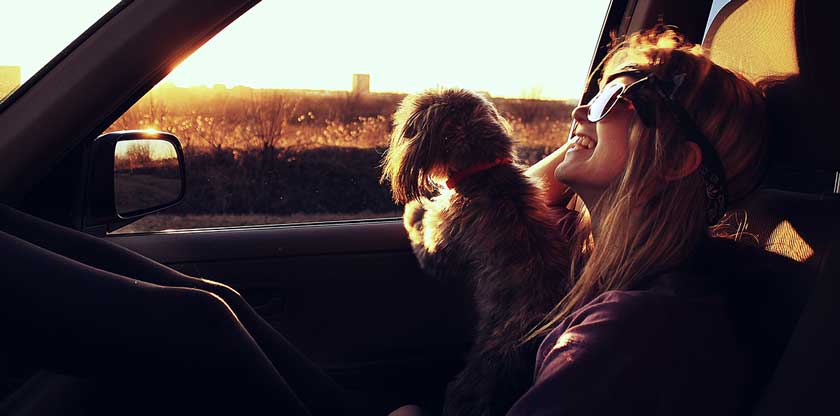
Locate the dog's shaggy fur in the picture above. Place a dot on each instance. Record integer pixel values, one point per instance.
(493, 229)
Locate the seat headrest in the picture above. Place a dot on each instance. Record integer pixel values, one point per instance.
(781, 45)
(755, 38)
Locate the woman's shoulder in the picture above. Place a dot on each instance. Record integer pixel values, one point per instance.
(700, 289)
(647, 349)
(657, 297)
(670, 345)
(623, 313)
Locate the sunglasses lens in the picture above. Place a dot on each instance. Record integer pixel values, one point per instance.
(602, 103)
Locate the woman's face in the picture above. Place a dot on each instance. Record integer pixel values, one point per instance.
(599, 151)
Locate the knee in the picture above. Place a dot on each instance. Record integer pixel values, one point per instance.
(185, 321)
(228, 294)
(190, 308)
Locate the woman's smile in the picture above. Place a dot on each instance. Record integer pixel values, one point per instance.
(581, 143)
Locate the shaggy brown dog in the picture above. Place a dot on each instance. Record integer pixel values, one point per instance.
(489, 225)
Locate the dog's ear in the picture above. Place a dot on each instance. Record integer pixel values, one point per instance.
(439, 132)
(416, 150)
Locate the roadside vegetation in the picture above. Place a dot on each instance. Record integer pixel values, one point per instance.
(278, 156)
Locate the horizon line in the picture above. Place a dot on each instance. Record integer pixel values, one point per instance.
(221, 85)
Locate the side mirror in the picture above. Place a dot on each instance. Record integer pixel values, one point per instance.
(132, 174)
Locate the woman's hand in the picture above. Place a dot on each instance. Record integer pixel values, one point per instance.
(556, 193)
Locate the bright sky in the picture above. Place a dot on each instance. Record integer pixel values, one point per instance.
(503, 47)
(33, 31)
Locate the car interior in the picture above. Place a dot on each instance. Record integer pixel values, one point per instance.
(402, 334)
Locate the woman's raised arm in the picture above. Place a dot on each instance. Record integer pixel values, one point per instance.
(556, 193)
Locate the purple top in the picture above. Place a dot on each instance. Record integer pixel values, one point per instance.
(646, 352)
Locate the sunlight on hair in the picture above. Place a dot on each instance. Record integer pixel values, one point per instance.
(785, 241)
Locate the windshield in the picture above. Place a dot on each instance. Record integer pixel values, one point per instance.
(35, 31)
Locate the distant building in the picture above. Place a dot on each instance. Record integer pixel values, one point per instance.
(361, 83)
(9, 79)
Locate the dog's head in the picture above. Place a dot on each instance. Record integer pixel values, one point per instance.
(437, 133)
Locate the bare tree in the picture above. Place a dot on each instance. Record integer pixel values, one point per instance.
(148, 112)
(157, 111)
(214, 122)
(267, 115)
(136, 155)
(130, 120)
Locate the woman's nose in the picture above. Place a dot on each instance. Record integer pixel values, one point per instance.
(579, 113)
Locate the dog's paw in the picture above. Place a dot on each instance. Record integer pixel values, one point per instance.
(413, 215)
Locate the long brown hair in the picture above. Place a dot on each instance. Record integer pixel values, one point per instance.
(648, 223)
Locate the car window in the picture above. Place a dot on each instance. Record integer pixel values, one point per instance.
(35, 31)
(285, 114)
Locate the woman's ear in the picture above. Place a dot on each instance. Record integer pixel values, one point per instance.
(690, 161)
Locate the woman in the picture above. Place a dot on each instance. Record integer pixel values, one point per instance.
(656, 155)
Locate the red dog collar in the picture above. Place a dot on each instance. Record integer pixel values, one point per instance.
(453, 180)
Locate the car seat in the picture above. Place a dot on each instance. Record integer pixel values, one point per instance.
(783, 44)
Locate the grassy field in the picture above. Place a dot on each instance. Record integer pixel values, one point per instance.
(278, 156)
(242, 118)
